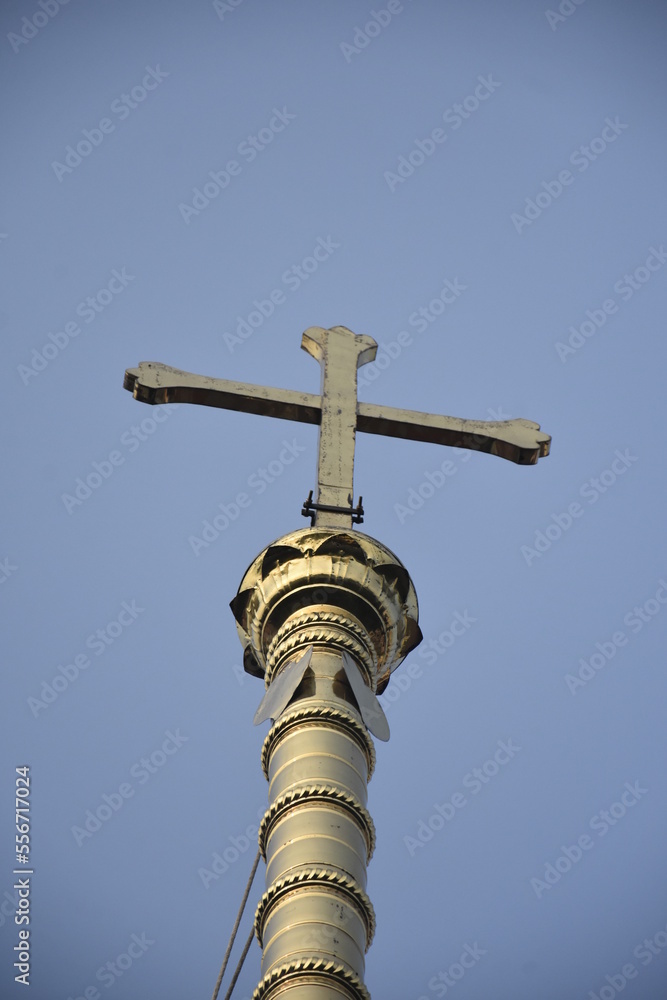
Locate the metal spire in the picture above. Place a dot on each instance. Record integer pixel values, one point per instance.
(325, 615)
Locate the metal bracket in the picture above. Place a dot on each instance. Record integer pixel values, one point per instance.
(356, 513)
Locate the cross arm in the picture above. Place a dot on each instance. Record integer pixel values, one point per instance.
(153, 382)
(517, 440)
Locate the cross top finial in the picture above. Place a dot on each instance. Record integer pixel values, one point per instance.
(339, 414)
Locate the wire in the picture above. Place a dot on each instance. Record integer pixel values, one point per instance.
(240, 965)
(233, 936)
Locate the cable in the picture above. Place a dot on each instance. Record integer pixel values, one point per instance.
(233, 935)
(240, 965)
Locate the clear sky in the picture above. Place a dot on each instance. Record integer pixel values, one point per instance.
(480, 187)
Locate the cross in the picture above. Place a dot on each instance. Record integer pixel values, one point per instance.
(339, 414)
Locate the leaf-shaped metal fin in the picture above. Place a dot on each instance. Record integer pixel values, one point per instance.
(278, 696)
(371, 710)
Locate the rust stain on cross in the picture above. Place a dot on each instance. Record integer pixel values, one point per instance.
(339, 414)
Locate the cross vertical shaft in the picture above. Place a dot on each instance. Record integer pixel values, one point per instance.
(340, 353)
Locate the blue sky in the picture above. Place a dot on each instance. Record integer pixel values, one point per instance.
(479, 187)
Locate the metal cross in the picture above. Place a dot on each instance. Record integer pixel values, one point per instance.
(339, 415)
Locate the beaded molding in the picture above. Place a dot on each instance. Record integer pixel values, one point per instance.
(322, 793)
(313, 966)
(315, 877)
(325, 627)
(319, 713)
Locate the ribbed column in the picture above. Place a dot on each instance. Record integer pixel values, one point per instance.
(315, 921)
(350, 603)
